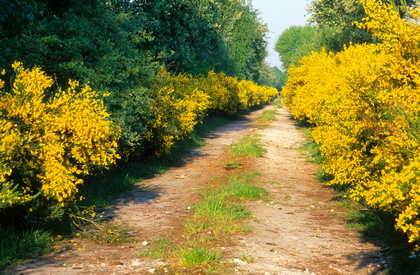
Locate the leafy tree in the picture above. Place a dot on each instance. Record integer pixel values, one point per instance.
(185, 35)
(271, 77)
(283, 76)
(332, 28)
(296, 42)
(16, 14)
(200, 35)
(335, 18)
(247, 44)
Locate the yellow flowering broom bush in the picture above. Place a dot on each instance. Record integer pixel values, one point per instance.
(364, 103)
(48, 142)
(232, 96)
(251, 94)
(181, 101)
(175, 115)
(223, 92)
(177, 107)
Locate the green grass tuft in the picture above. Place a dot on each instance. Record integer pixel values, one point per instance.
(218, 208)
(248, 146)
(268, 115)
(278, 103)
(246, 191)
(198, 256)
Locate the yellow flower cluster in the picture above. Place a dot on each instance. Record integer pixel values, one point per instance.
(175, 115)
(251, 94)
(10, 193)
(181, 101)
(364, 103)
(46, 141)
(232, 96)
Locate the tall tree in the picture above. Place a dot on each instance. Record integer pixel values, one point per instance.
(200, 35)
(271, 77)
(248, 43)
(185, 34)
(296, 42)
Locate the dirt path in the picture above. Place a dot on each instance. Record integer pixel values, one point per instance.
(300, 231)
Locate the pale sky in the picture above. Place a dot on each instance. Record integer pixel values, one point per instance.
(280, 15)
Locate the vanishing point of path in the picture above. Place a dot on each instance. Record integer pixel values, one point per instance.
(300, 230)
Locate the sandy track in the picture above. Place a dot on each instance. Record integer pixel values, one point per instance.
(300, 231)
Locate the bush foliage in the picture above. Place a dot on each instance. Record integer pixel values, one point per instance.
(181, 101)
(364, 104)
(51, 140)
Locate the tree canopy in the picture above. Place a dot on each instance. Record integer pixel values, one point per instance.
(296, 42)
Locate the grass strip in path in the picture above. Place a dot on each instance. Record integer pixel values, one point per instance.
(267, 117)
(248, 146)
(217, 216)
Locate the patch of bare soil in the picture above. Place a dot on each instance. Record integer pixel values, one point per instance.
(300, 231)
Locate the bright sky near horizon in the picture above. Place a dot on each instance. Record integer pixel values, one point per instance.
(280, 15)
